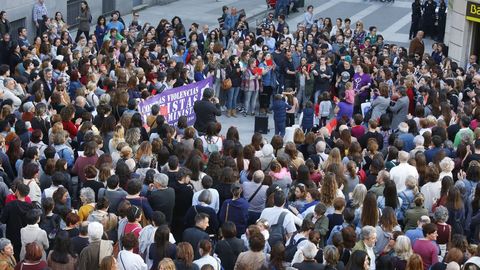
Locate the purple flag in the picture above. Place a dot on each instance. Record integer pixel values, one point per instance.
(176, 102)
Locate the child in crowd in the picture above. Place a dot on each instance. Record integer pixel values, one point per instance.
(349, 93)
(293, 102)
(280, 175)
(308, 117)
(325, 108)
(279, 109)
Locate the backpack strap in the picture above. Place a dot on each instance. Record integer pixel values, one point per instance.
(136, 229)
(281, 218)
(292, 240)
(300, 240)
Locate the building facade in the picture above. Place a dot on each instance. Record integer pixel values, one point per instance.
(462, 33)
(20, 12)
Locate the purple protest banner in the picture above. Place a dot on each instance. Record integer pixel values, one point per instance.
(176, 102)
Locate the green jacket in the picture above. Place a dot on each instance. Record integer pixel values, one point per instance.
(378, 189)
(321, 226)
(360, 245)
(412, 216)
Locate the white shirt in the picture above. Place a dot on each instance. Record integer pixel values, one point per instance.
(208, 260)
(371, 255)
(33, 233)
(8, 94)
(400, 173)
(215, 204)
(214, 140)
(431, 192)
(272, 214)
(35, 193)
(128, 260)
(48, 192)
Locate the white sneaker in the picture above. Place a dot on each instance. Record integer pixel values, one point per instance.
(223, 108)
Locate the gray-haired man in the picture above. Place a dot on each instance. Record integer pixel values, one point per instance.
(162, 198)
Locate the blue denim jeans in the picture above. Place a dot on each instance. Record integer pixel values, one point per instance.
(250, 101)
(316, 95)
(232, 95)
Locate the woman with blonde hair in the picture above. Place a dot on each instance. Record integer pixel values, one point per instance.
(446, 165)
(92, 99)
(358, 196)
(166, 264)
(126, 155)
(198, 71)
(118, 137)
(359, 33)
(333, 158)
(132, 137)
(298, 136)
(403, 251)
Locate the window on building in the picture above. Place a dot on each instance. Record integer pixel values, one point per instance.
(14, 25)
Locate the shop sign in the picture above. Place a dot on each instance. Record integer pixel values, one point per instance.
(473, 11)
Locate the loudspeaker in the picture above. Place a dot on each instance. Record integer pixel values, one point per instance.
(261, 124)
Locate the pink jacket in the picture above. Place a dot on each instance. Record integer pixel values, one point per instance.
(349, 96)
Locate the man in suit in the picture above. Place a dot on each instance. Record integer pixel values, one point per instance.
(196, 234)
(417, 47)
(202, 37)
(400, 109)
(48, 82)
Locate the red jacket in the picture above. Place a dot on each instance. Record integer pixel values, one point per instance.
(70, 127)
(411, 104)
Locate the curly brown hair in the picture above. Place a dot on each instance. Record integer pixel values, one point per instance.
(329, 189)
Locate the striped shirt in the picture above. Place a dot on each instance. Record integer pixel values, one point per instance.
(38, 11)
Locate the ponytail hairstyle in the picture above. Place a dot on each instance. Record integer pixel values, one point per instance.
(352, 169)
(411, 183)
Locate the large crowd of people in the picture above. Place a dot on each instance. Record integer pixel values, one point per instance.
(380, 170)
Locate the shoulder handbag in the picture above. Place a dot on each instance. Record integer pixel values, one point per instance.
(122, 262)
(144, 222)
(255, 193)
(227, 84)
(226, 212)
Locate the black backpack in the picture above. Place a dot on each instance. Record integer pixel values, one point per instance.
(277, 232)
(292, 247)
